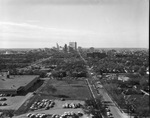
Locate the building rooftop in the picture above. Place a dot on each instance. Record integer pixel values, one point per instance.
(15, 81)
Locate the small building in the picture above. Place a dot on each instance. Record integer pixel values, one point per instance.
(123, 78)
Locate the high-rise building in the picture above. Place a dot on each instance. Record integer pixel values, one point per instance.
(73, 45)
(65, 48)
(57, 46)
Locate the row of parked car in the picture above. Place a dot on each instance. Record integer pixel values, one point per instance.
(69, 114)
(72, 105)
(2, 95)
(38, 115)
(109, 114)
(45, 103)
(3, 104)
(3, 99)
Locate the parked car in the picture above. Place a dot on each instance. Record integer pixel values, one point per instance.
(4, 104)
(62, 99)
(3, 99)
(29, 114)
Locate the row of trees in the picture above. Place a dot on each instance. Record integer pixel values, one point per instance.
(67, 64)
(94, 108)
(11, 61)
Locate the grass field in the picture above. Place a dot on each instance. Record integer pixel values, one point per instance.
(69, 89)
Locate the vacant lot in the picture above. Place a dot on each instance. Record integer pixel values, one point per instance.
(69, 89)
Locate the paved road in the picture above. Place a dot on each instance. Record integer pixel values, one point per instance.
(113, 108)
(117, 113)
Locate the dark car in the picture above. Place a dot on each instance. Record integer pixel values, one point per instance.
(3, 99)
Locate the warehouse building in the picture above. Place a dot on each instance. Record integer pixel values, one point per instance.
(13, 84)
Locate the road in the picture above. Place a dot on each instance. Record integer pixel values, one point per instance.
(116, 112)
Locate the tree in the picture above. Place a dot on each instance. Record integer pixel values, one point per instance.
(142, 107)
(10, 113)
(136, 68)
(94, 107)
(142, 70)
(144, 82)
(42, 74)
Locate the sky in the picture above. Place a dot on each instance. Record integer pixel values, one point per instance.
(90, 23)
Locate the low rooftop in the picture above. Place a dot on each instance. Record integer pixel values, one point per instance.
(15, 81)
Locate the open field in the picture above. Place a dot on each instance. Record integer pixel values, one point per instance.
(69, 89)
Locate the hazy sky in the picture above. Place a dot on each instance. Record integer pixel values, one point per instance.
(91, 23)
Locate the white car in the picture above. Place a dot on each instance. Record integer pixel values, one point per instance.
(98, 82)
(37, 115)
(29, 114)
(99, 86)
(109, 114)
(3, 99)
(32, 115)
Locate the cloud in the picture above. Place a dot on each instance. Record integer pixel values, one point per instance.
(23, 25)
(25, 35)
(37, 27)
(10, 30)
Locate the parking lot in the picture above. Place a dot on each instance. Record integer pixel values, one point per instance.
(13, 102)
(57, 110)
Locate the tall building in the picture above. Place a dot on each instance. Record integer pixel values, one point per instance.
(73, 45)
(65, 48)
(57, 46)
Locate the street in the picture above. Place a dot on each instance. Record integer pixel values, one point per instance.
(113, 108)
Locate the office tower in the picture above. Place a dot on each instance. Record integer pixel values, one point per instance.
(73, 45)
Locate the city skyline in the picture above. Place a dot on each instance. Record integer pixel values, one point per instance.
(101, 23)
